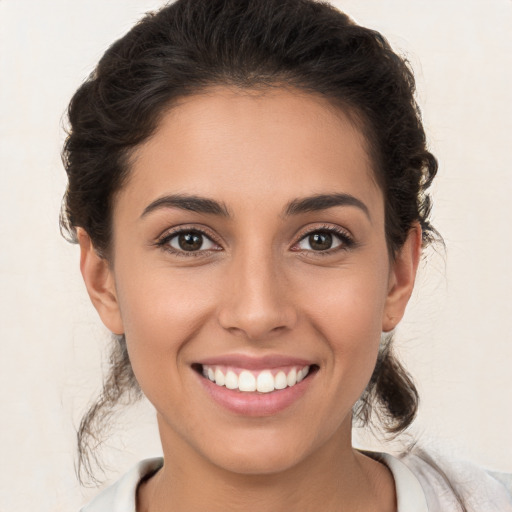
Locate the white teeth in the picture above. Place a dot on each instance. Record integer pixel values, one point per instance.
(265, 382)
(291, 378)
(219, 377)
(301, 374)
(247, 381)
(280, 380)
(231, 380)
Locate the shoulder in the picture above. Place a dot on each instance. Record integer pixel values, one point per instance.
(425, 483)
(121, 496)
(442, 479)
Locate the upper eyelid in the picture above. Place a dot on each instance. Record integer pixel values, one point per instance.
(337, 230)
(172, 232)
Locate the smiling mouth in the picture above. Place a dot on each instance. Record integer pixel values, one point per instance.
(250, 381)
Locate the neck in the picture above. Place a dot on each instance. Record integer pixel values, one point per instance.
(335, 476)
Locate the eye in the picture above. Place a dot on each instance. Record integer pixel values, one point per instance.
(188, 241)
(324, 240)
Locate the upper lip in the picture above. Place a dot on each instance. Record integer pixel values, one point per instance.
(255, 363)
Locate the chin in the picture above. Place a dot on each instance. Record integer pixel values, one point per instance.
(258, 460)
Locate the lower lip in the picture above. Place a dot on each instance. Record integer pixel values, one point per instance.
(255, 404)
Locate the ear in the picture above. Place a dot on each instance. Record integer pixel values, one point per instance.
(99, 280)
(401, 279)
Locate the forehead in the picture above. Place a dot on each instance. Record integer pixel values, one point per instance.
(226, 142)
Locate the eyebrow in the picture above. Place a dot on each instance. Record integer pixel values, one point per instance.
(187, 202)
(323, 202)
(200, 204)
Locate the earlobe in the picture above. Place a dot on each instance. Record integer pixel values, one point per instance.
(100, 283)
(402, 277)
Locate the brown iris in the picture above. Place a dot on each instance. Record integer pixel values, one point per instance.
(190, 241)
(320, 241)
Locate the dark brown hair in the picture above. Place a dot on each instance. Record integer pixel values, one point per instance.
(191, 45)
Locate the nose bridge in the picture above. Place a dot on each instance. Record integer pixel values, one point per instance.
(256, 302)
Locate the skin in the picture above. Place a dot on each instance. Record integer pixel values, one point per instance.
(258, 289)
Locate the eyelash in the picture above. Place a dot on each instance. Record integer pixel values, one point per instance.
(346, 241)
(163, 242)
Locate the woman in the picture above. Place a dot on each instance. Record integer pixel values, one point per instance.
(248, 185)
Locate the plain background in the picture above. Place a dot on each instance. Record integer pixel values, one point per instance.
(456, 338)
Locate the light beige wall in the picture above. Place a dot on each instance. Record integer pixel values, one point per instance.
(456, 338)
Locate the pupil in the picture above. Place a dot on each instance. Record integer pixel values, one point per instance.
(190, 241)
(320, 241)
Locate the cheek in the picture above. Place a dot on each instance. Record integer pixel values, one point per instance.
(159, 300)
(346, 310)
(161, 310)
(349, 301)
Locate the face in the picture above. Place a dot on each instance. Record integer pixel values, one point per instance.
(251, 277)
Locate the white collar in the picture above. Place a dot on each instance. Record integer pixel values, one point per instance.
(409, 493)
(121, 496)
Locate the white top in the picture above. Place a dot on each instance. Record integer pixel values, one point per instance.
(419, 487)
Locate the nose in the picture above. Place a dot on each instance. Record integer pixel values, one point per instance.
(257, 301)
